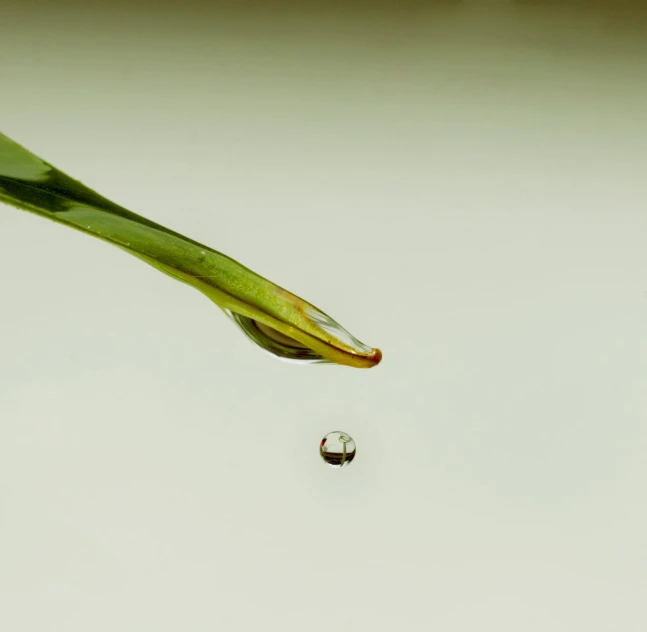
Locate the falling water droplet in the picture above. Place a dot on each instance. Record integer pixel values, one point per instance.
(337, 449)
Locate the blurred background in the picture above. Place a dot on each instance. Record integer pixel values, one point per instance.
(460, 183)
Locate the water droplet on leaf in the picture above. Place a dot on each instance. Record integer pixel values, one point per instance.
(276, 342)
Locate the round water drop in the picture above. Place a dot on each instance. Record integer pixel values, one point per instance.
(337, 449)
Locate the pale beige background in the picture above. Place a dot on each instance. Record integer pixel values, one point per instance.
(463, 186)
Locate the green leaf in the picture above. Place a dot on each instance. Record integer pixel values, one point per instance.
(276, 320)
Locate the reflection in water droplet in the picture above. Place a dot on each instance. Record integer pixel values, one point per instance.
(337, 449)
(328, 325)
(275, 342)
(278, 336)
